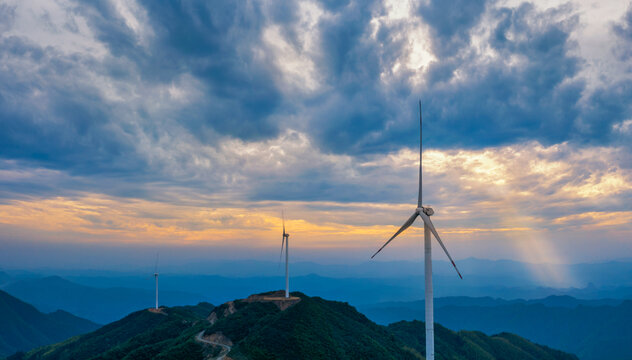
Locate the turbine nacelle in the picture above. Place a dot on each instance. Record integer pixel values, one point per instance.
(426, 210)
(285, 243)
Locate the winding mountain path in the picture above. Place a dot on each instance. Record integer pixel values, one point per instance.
(225, 348)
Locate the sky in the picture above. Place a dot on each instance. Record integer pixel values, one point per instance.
(187, 126)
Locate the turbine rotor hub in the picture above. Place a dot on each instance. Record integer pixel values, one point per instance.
(426, 210)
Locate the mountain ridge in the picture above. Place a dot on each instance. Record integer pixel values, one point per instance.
(265, 326)
(568, 324)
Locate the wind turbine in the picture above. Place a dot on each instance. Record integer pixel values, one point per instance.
(424, 212)
(156, 277)
(286, 242)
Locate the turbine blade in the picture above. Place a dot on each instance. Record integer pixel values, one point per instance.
(426, 219)
(420, 174)
(156, 266)
(283, 219)
(282, 245)
(401, 229)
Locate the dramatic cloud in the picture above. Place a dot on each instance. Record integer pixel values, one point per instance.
(501, 197)
(348, 76)
(518, 86)
(624, 31)
(185, 106)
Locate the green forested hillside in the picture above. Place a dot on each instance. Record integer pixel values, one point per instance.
(22, 327)
(264, 327)
(144, 334)
(592, 329)
(319, 329)
(464, 345)
(311, 329)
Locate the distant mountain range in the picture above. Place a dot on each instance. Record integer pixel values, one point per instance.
(476, 272)
(22, 327)
(105, 301)
(101, 305)
(368, 282)
(592, 329)
(105, 296)
(262, 327)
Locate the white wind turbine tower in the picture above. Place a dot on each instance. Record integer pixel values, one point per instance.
(286, 242)
(425, 212)
(156, 277)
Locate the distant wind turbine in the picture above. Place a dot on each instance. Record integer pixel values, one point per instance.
(156, 277)
(286, 242)
(424, 212)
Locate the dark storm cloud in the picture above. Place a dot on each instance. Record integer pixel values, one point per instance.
(7, 14)
(351, 117)
(54, 114)
(607, 107)
(499, 102)
(451, 22)
(624, 31)
(212, 41)
(51, 115)
(68, 128)
(493, 103)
